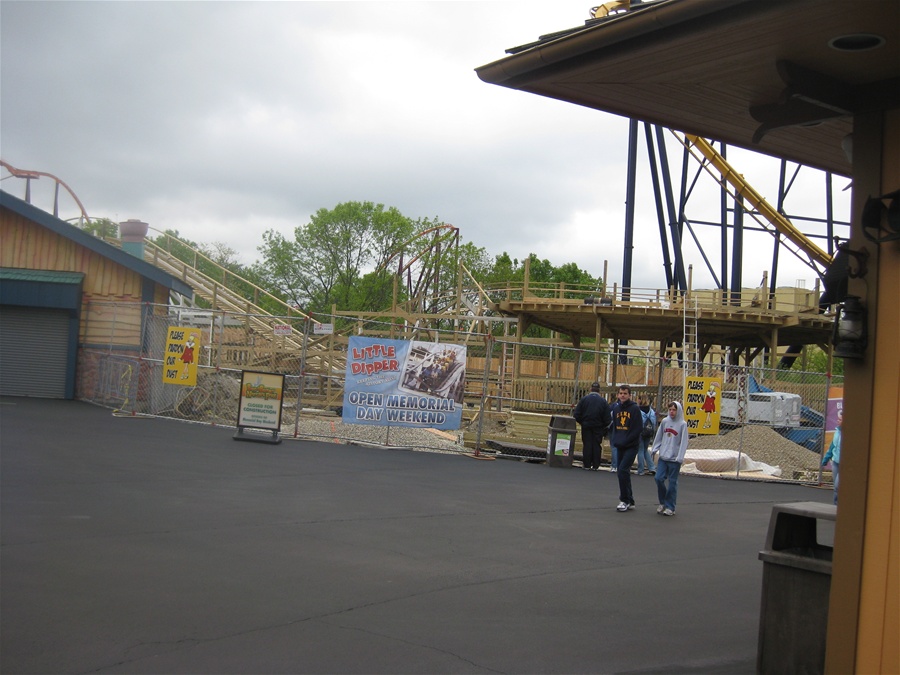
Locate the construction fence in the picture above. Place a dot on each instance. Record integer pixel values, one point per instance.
(747, 422)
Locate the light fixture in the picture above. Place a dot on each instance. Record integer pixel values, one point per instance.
(850, 337)
(856, 42)
(875, 212)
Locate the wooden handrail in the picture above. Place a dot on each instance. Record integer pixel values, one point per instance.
(226, 274)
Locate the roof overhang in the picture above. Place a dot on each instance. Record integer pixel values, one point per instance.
(763, 75)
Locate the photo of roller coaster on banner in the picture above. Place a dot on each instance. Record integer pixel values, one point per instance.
(404, 383)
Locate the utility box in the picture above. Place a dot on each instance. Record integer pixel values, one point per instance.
(795, 590)
(561, 440)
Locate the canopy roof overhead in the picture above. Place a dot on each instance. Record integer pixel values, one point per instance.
(781, 77)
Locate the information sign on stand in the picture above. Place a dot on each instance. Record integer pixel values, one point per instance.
(259, 407)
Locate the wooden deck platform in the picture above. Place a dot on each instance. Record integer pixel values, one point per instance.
(730, 326)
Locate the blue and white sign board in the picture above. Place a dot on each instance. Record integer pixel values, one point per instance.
(404, 383)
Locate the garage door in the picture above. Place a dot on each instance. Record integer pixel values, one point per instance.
(33, 351)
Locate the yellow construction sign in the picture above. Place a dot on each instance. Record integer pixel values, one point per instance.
(182, 349)
(703, 404)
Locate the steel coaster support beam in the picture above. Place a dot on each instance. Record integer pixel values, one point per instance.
(815, 255)
(628, 253)
(737, 253)
(660, 215)
(829, 212)
(723, 230)
(674, 220)
(683, 221)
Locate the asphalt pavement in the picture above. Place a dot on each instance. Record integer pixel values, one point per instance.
(132, 545)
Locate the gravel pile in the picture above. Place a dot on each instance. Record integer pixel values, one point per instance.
(762, 444)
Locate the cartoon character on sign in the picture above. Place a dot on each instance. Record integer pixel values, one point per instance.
(709, 403)
(187, 356)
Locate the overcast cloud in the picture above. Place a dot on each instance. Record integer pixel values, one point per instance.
(225, 119)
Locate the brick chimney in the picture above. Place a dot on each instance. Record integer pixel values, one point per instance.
(132, 233)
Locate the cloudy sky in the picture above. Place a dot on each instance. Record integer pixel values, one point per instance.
(226, 119)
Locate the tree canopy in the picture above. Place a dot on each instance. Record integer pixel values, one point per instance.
(352, 255)
(335, 258)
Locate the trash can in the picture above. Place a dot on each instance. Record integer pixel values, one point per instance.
(795, 589)
(561, 440)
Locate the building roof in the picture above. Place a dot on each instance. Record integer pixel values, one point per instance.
(782, 77)
(82, 238)
(42, 276)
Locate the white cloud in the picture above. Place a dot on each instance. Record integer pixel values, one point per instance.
(223, 120)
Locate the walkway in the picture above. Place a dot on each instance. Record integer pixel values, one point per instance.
(146, 545)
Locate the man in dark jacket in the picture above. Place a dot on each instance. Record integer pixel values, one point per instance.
(592, 413)
(626, 436)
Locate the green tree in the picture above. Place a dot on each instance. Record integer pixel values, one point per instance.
(506, 269)
(222, 254)
(817, 362)
(102, 227)
(327, 259)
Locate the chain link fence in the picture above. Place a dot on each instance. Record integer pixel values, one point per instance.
(771, 422)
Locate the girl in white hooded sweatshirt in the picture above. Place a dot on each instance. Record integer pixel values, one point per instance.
(671, 443)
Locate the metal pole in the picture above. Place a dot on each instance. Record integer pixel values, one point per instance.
(489, 347)
(824, 422)
(302, 379)
(742, 403)
(216, 383)
(578, 372)
(659, 385)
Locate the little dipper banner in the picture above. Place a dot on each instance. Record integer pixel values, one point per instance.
(404, 383)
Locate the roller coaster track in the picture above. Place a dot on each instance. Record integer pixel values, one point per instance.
(714, 163)
(29, 175)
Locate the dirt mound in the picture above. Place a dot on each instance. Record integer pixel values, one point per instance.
(762, 444)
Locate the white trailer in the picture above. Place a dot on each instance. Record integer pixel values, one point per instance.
(772, 408)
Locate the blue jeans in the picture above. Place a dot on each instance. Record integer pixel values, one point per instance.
(835, 472)
(667, 471)
(644, 457)
(623, 473)
(615, 455)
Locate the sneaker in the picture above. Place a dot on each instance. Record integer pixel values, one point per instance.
(622, 506)
(612, 469)
(660, 509)
(631, 508)
(668, 512)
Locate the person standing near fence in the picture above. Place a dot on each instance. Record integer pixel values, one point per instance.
(592, 413)
(648, 431)
(834, 454)
(626, 437)
(671, 443)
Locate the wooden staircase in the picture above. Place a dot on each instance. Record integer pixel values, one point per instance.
(217, 293)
